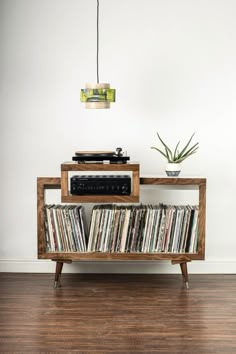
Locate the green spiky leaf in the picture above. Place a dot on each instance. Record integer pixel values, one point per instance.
(177, 156)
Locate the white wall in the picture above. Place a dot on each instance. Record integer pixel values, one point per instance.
(173, 65)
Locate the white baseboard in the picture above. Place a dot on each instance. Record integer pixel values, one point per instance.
(152, 267)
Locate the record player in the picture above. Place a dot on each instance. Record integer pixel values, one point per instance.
(113, 157)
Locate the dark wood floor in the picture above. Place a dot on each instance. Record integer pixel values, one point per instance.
(117, 314)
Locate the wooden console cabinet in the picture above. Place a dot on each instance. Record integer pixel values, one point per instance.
(45, 183)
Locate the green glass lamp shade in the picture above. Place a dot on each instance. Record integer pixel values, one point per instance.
(97, 95)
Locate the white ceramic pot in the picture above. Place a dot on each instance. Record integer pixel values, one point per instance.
(173, 169)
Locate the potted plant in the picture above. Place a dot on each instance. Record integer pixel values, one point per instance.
(176, 156)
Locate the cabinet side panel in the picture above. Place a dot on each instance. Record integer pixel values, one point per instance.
(202, 219)
(42, 185)
(64, 184)
(136, 183)
(40, 216)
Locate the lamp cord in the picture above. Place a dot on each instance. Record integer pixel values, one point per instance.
(97, 40)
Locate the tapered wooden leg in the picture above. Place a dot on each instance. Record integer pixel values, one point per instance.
(59, 267)
(58, 271)
(184, 271)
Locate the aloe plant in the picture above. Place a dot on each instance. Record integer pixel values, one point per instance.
(177, 156)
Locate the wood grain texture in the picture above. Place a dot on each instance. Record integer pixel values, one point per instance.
(122, 256)
(202, 218)
(172, 181)
(74, 166)
(48, 183)
(43, 183)
(64, 185)
(117, 314)
(100, 199)
(66, 197)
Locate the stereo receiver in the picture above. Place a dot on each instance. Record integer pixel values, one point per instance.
(100, 185)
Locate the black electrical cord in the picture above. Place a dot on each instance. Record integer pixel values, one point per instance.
(97, 40)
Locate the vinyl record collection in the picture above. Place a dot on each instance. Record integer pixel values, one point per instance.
(65, 228)
(122, 228)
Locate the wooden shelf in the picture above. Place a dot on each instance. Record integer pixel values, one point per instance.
(174, 181)
(44, 184)
(96, 256)
(55, 183)
(66, 197)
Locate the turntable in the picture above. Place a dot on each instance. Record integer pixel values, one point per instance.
(113, 157)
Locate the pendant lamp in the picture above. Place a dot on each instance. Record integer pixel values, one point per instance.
(97, 95)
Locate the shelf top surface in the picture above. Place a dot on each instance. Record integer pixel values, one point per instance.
(75, 166)
(100, 163)
(172, 180)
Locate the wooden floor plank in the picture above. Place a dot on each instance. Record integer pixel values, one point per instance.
(114, 313)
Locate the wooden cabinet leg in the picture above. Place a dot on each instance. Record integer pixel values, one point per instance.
(59, 267)
(58, 271)
(184, 271)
